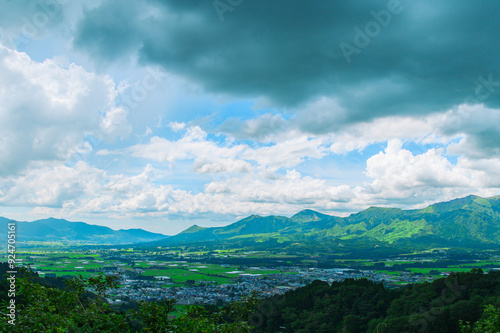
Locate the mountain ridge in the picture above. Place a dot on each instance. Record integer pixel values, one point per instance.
(468, 221)
(60, 230)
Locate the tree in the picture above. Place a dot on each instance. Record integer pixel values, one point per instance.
(72, 309)
(489, 322)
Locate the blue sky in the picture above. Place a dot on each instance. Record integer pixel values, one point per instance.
(162, 114)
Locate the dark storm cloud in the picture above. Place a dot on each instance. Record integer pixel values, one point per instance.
(426, 57)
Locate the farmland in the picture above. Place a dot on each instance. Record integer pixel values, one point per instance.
(180, 272)
(185, 266)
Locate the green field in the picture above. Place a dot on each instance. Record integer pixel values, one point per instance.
(426, 271)
(181, 267)
(72, 264)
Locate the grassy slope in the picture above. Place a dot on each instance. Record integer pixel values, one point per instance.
(469, 221)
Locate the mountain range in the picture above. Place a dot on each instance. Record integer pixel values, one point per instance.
(62, 231)
(471, 221)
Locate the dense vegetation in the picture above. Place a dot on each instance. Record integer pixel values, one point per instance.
(462, 302)
(470, 222)
(364, 306)
(55, 305)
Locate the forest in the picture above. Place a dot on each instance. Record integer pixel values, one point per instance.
(462, 302)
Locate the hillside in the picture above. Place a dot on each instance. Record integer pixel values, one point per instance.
(364, 306)
(469, 222)
(58, 230)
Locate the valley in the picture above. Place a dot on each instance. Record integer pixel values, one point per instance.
(213, 269)
(208, 275)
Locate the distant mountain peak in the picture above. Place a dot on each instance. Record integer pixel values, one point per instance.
(60, 230)
(309, 215)
(307, 212)
(470, 221)
(192, 229)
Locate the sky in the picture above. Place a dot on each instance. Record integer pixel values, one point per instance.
(161, 114)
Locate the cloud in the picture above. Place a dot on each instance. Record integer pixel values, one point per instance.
(25, 19)
(467, 130)
(22, 21)
(85, 191)
(426, 84)
(212, 157)
(287, 153)
(51, 185)
(477, 125)
(284, 192)
(176, 126)
(359, 136)
(46, 111)
(290, 54)
(208, 155)
(264, 128)
(399, 175)
(115, 124)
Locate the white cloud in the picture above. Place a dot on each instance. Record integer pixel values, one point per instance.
(359, 136)
(218, 165)
(399, 178)
(398, 168)
(287, 191)
(399, 175)
(83, 190)
(469, 130)
(115, 124)
(287, 153)
(51, 184)
(213, 157)
(176, 126)
(208, 156)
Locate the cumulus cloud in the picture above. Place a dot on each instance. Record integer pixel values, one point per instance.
(211, 157)
(287, 153)
(88, 191)
(468, 130)
(292, 189)
(208, 155)
(52, 185)
(429, 78)
(47, 110)
(399, 175)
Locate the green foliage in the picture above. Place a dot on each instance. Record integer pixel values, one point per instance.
(364, 306)
(229, 320)
(451, 304)
(154, 315)
(45, 309)
(489, 322)
(73, 309)
(466, 222)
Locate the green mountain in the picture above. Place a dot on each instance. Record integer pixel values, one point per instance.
(57, 230)
(466, 222)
